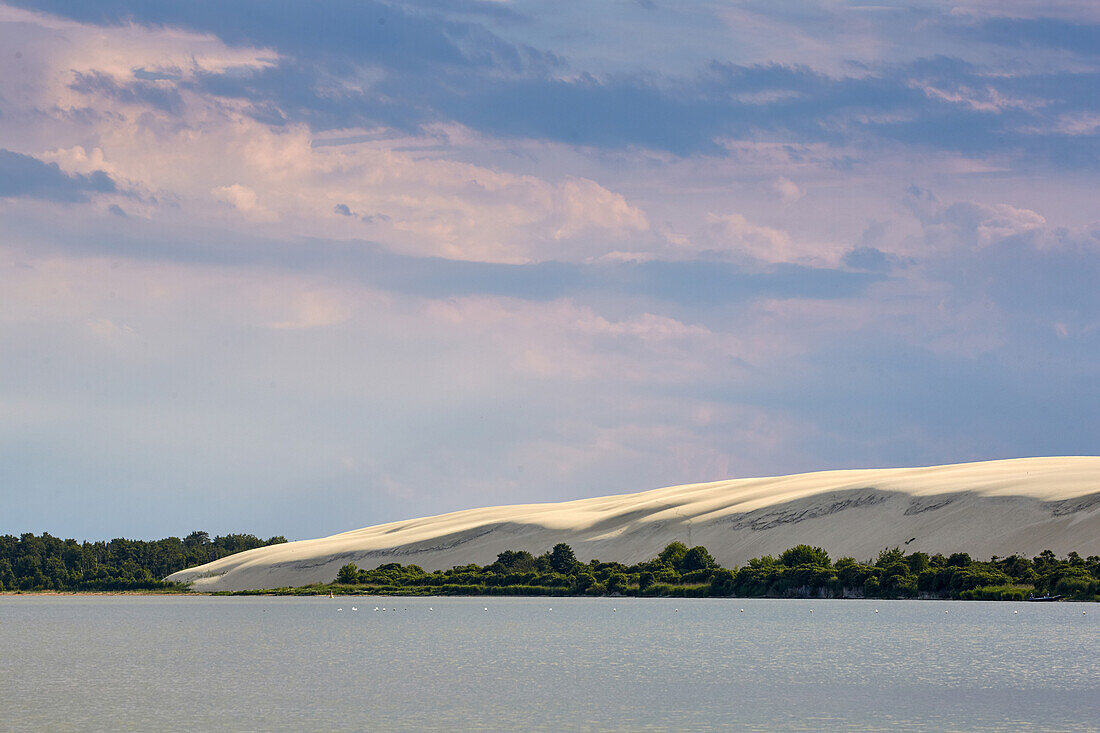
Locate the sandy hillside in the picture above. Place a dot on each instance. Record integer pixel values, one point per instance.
(1023, 505)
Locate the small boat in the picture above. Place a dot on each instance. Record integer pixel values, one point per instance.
(1045, 598)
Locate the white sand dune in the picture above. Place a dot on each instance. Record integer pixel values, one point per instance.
(1023, 505)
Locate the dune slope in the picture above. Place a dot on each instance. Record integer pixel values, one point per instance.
(1022, 505)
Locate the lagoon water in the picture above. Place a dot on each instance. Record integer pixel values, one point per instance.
(266, 663)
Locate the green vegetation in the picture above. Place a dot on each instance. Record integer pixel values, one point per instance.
(43, 563)
(680, 571)
(33, 563)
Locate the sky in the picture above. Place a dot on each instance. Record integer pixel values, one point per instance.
(297, 268)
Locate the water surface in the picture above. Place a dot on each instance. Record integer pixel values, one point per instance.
(265, 663)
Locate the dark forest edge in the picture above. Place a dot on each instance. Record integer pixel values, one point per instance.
(680, 571)
(46, 563)
(31, 563)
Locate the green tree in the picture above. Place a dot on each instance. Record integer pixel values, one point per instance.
(349, 574)
(673, 554)
(516, 560)
(667, 575)
(697, 558)
(959, 560)
(898, 579)
(1076, 582)
(805, 555)
(721, 582)
(851, 573)
(918, 562)
(583, 581)
(562, 558)
(196, 539)
(7, 577)
(889, 556)
(1019, 569)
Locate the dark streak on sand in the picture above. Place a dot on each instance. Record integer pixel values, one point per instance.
(762, 519)
(1072, 506)
(927, 504)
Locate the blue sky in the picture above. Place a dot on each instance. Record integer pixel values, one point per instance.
(296, 268)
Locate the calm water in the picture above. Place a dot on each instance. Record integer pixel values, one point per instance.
(179, 663)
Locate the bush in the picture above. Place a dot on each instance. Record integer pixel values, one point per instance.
(348, 575)
(673, 554)
(721, 582)
(616, 583)
(697, 576)
(1077, 586)
(805, 555)
(697, 558)
(996, 593)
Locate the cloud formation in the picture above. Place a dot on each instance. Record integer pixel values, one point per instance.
(27, 176)
(356, 261)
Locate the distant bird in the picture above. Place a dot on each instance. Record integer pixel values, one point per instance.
(485, 609)
(354, 608)
(811, 610)
(1015, 612)
(339, 609)
(876, 610)
(742, 610)
(429, 608)
(614, 610)
(551, 609)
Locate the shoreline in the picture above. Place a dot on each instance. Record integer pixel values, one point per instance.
(103, 593)
(293, 594)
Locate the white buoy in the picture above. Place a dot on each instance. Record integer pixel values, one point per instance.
(429, 608)
(485, 609)
(376, 608)
(614, 610)
(676, 610)
(1015, 612)
(354, 608)
(742, 610)
(945, 611)
(876, 610)
(551, 609)
(339, 609)
(811, 610)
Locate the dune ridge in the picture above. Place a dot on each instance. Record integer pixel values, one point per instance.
(1022, 505)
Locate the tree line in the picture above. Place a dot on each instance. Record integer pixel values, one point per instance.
(36, 563)
(799, 572)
